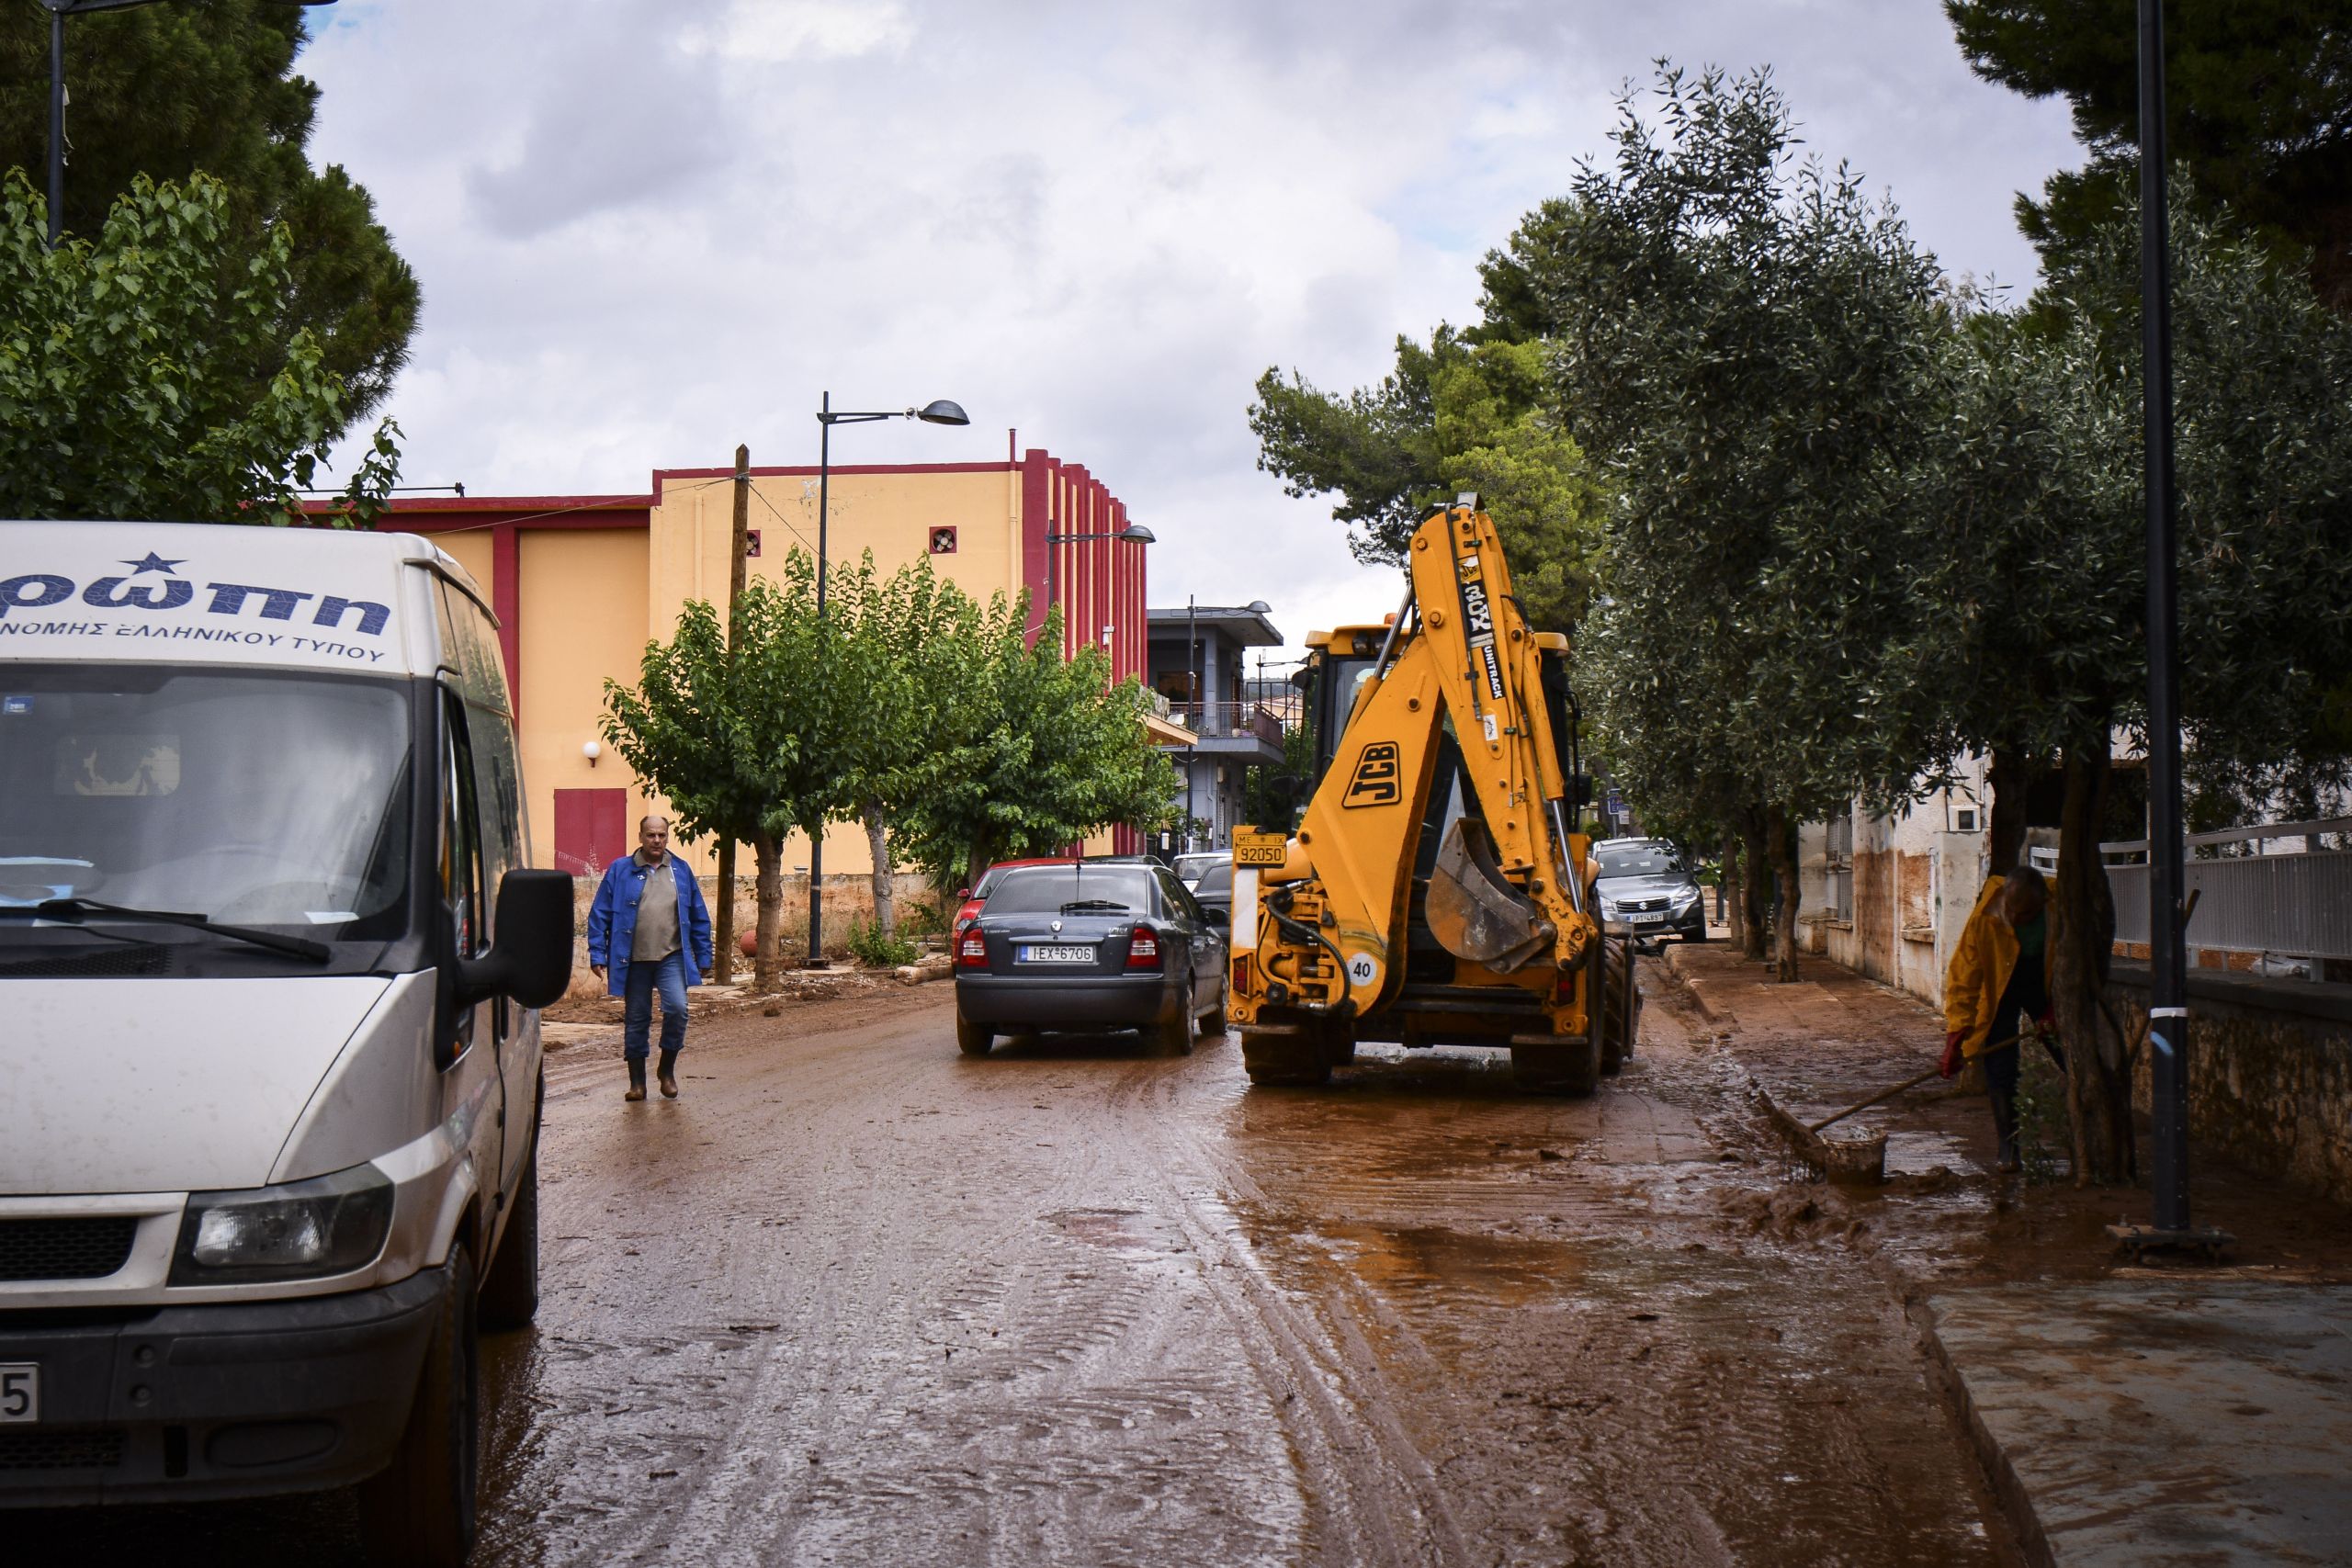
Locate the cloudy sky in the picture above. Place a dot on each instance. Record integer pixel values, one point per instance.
(650, 229)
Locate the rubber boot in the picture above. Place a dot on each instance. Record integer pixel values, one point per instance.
(636, 1078)
(669, 1075)
(2004, 1127)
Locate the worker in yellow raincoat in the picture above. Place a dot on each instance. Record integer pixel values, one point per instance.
(1999, 980)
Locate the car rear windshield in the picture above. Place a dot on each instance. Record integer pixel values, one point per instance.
(1639, 859)
(1218, 878)
(1046, 889)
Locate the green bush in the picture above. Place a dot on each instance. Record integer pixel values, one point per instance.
(919, 917)
(873, 950)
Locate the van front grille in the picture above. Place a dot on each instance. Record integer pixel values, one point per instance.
(61, 1447)
(73, 1248)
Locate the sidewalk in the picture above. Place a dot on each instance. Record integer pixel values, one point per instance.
(2169, 1413)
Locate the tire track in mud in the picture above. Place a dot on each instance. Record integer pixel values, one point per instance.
(1054, 1430)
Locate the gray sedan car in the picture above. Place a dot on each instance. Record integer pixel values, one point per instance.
(1088, 947)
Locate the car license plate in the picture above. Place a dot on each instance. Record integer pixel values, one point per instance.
(20, 1390)
(1038, 954)
(1648, 917)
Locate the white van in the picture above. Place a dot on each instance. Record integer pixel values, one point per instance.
(270, 1108)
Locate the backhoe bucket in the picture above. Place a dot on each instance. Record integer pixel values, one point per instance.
(1475, 914)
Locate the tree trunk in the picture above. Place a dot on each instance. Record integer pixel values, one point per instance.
(2009, 778)
(722, 968)
(1780, 835)
(976, 867)
(767, 855)
(877, 840)
(1733, 899)
(1752, 884)
(2082, 932)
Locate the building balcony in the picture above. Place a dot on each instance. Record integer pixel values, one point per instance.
(1247, 732)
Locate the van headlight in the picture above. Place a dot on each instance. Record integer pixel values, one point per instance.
(301, 1230)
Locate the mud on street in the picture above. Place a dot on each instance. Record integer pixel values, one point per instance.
(855, 1298)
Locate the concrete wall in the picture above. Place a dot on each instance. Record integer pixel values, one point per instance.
(1915, 878)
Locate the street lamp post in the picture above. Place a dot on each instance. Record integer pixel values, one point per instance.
(58, 11)
(1134, 533)
(2167, 949)
(940, 412)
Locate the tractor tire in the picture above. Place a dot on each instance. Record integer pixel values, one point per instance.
(1556, 1064)
(1287, 1057)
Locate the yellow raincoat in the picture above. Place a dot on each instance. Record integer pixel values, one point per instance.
(1980, 970)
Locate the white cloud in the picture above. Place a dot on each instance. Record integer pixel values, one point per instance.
(775, 32)
(650, 229)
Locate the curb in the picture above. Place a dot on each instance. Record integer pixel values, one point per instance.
(2008, 1491)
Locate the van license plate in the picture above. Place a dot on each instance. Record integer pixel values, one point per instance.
(1036, 955)
(20, 1390)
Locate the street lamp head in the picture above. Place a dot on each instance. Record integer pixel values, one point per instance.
(1260, 608)
(1137, 533)
(942, 413)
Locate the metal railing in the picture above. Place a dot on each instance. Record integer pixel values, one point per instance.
(2298, 902)
(1218, 721)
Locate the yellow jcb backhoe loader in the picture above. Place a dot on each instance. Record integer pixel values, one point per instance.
(1434, 893)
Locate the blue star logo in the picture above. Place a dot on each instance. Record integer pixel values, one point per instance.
(153, 563)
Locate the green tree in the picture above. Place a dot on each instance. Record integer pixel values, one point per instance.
(1272, 793)
(1468, 412)
(748, 746)
(1744, 343)
(166, 90)
(907, 641)
(2258, 115)
(2029, 545)
(126, 369)
(1040, 751)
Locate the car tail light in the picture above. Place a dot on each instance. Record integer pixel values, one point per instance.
(972, 949)
(1143, 949)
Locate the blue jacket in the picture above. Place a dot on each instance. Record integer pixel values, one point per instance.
(612, 921)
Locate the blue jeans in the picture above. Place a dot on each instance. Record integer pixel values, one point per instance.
(636, 1009)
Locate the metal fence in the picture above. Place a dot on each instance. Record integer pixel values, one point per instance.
(1215, 721)
(2297, 903)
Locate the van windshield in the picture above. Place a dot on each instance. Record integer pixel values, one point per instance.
(253, 797)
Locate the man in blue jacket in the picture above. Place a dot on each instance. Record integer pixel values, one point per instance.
(650, 928)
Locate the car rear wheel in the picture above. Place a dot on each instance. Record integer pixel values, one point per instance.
(1215, 1023)
(973, 1039)
(1176, 1035)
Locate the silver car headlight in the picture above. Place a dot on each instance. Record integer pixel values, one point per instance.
(1685, 896)
(298, 1230)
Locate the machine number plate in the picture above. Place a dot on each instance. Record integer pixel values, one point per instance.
(1260, 848)
(1029, 953)
(20, 1390)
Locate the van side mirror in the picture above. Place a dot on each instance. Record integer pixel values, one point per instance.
(1580, 789)
(530, 958)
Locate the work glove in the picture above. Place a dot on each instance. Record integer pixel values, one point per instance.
(1949, 1066)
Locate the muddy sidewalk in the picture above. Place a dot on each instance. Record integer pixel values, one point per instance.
(2170, 1411)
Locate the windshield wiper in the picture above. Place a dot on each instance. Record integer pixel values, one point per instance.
(1079, 903)
(79, 911)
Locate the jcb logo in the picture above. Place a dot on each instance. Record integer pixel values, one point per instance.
(1376, 780)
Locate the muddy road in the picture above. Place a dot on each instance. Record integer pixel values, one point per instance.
(855, 1298)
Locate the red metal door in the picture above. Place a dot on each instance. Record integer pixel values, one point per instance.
(590, 830)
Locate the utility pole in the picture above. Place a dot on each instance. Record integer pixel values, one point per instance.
(2167, 947)
(738, 567)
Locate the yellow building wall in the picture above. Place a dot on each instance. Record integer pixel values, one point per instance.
(581, 593)
(471, 549)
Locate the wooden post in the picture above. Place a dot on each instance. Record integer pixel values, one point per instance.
(723, 970)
